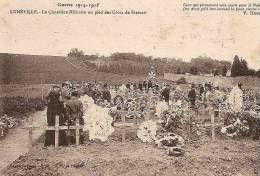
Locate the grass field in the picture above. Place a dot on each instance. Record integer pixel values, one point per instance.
(32, 69)
(26, 91)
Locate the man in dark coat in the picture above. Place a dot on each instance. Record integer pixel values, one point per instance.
(75, 111)
(140, 86)
(55, 107)
(192, 96)
(166, 94)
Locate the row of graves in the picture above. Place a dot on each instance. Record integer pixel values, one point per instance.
(225, 113)
(233, 115)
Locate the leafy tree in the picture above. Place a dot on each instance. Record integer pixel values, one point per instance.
(181, 80)
(75, 52)
(258, 73)
(251, 72)
(194, 70)
(236, 67)
(216, 72)
(243, 68)
(224, 70)
(179, 70)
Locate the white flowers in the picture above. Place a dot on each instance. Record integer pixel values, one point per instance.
(160, 108)
(235, 99)
(97, 120)
(147, 131)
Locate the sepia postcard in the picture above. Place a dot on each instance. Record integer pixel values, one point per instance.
(129, 88)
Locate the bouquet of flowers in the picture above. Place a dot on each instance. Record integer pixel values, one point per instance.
(160, 108)
(235, 99)
(97, 120)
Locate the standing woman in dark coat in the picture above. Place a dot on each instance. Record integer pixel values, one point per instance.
(192, 96)
(55, 107)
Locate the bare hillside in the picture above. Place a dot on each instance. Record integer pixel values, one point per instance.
(28, 69)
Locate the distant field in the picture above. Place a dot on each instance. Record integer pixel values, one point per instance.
(26, 91)
(34, 69)
(249, 82)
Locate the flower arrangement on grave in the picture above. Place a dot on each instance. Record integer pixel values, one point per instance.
(160, 108)
(237, 128)
(147, 131)
(174, 117)
(240, 123)
(168, 140)
(235, 99)
(97, 120)
(217, 98)
(6, 123)
(248, 100)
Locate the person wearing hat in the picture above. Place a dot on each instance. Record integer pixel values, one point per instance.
(55, 107)
(74, 109)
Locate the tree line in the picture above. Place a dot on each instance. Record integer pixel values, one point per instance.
(240, 68)
(139, 64)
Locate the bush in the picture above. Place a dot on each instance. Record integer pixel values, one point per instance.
(182, 80)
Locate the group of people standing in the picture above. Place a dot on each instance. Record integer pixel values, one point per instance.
(64, 103)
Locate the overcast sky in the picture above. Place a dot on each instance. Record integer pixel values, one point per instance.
(165, 31)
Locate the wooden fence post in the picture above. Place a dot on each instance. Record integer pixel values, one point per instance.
(77, 131)
(57, 131)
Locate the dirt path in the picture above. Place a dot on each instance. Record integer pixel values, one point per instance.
(15, 143)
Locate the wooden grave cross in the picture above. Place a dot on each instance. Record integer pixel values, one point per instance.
(213, 115)
(30, 128)
(123, 124)
(57, 128)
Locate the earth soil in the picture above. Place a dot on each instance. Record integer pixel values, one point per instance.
(225, 157)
